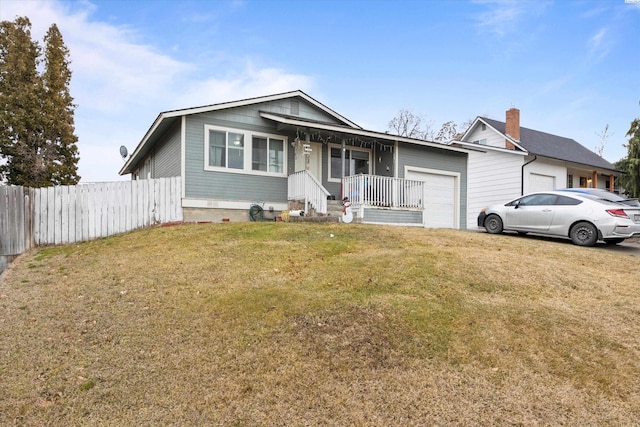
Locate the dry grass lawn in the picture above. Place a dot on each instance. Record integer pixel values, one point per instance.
(282, 324)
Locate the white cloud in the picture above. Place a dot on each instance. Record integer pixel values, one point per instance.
(245, 83)
(599, 44)
(503, 17)
(120, 85)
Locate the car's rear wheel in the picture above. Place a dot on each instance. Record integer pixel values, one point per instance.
(493, 224)
(613, 241)
(584, 234)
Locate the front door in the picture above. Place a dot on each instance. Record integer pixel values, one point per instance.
(314, 164)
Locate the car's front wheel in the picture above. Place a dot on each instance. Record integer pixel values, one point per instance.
(493, 224)
(584, 234)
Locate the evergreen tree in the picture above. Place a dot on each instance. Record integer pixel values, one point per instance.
(20, 95)
(58, 110)
(37, 141)
(630, 181)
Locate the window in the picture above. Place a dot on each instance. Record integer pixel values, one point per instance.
(244, 151)
(356, 162)
(567, 201)
(267, 154)
(484, 126)
(583, 182)
(569, 181)
(226, 149)
(538, 200)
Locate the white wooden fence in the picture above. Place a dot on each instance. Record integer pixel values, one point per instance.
(69, 214)
(15, 222)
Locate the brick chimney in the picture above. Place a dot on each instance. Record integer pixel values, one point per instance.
(512, 126)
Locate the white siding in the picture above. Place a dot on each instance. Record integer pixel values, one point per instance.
(494, 177)
(493, 138)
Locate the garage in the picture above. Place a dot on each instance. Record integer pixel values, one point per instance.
(441, 208)
(539, 182)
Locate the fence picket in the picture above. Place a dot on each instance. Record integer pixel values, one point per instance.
(69, 214)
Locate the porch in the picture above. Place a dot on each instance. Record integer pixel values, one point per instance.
(374, 199)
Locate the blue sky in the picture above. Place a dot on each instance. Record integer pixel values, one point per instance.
(571, 67)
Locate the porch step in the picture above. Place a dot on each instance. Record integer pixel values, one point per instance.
(334, 212)
(328, 218)
(334, 208)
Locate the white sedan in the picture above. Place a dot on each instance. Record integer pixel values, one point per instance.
(584, 218)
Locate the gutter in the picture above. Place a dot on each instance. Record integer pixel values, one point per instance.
(522, 174)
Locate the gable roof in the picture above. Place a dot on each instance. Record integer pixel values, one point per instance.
(552, 146)
(166, 119)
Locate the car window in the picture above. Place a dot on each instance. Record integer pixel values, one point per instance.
(538, 200)
(567, 201)
(599, 199)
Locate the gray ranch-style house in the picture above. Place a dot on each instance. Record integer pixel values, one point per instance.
(273, 150)
(507, 160)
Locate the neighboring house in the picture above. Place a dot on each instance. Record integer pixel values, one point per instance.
(274, 149)
(507, 160)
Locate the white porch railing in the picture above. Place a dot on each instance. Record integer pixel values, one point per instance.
(304, 186)
(383, 191)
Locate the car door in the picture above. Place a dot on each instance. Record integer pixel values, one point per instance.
(531, 213)
(566, 211)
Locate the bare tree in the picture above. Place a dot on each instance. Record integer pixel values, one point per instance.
(604, 136)
(410, 125)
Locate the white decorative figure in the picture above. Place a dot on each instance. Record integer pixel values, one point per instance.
(347, 215)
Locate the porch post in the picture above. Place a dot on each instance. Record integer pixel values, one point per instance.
(307, 155)
(342, 155)
(594, 183)
(611, 182)
(343, 148)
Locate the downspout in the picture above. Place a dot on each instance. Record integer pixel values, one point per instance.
(343, 150)
(522, 174)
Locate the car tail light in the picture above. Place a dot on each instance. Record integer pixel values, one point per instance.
(620, 213)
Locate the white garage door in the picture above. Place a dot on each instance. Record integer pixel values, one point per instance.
(538, 182)
(440, 199)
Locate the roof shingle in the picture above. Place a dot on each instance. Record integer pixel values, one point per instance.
(556, 147)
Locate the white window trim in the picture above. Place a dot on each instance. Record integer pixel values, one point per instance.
(248, 150)
(348, 147)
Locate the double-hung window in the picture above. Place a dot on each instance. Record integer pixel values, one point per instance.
(249, 152)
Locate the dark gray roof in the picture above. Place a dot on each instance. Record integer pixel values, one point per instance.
(555, 147)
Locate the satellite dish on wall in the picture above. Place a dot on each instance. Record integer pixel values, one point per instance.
(123, 151)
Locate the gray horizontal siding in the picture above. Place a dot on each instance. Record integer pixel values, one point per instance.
(215, 185)
(166, 159)
(443, 160)
(388, 216)
(240, 187)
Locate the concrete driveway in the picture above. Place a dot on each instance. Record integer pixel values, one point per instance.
(628, 247)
